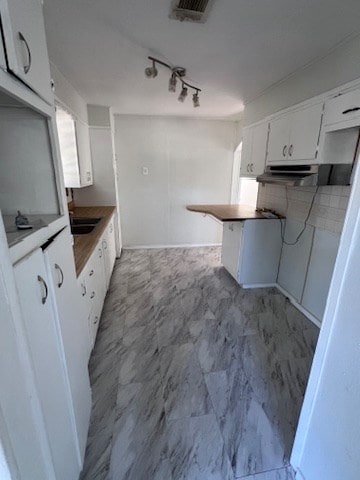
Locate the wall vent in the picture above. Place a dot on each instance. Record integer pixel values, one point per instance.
(190, 10)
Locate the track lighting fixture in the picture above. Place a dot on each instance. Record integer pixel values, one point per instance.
(183, 94)
(176, 73)
(172, 82)
(196, 100)
(151, 72)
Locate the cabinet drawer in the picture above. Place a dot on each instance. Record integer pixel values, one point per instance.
(343, 108)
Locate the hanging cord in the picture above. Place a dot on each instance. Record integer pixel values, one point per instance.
(305, 221)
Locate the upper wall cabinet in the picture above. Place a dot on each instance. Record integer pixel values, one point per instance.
(344, 109)
(254, 150)
(25, 44)
(294, 136)
(74, 141)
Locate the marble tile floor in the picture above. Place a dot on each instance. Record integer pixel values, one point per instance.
(194, 378)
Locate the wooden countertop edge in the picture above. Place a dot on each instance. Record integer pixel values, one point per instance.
(84, 245)
(224, 213)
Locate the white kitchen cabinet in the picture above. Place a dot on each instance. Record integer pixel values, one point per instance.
(109, 248)
(320, 270)
(74, 142)
(294, 136)
(25, 44)
(304, 134)
(253, 152)
(84, 153)
(344, 108)
(46, 352)
(251, 251)
(72, 324)
(231, 245)
(279, 134)
(294, 259)
(246, 152)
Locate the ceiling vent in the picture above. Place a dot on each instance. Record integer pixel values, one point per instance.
(191, 10)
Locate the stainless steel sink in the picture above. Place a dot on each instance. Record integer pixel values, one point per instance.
(82, 229)
(85, 220)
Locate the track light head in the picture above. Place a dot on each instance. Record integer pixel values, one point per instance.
(196, 100)
(151, 72)
(183, 94)
(172, 83)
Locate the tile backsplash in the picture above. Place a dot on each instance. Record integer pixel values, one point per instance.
(328, 211)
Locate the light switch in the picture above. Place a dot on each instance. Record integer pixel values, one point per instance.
(145, 171)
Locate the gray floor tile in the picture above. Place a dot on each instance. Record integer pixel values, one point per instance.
(194, 378)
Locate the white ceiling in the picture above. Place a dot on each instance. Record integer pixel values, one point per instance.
(245, 47)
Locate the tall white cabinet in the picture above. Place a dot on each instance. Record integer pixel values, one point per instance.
(37, 306)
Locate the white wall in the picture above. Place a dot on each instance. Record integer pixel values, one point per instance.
(337, 68)
(189, 161)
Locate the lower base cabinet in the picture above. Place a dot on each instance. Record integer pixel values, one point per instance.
(251, 251)
(95, 278)
(43, 334)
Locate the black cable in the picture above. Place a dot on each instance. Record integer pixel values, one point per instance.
(305, 221)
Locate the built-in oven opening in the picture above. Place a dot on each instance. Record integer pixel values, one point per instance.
(27, 168)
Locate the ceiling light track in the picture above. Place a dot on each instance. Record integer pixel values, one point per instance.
(177, 73)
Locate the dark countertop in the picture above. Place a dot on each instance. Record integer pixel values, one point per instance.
(228, 213)
(84, 245)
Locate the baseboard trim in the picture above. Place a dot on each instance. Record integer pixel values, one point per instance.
(180, 245)
(297, 305)
(258, 285)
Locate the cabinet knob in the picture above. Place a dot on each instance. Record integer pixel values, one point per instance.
(28, 65)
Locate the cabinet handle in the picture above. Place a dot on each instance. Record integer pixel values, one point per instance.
(42, 281)
(100, 252)
(91, 273)
(291, 149)
(251, 167)
(92, 295)
(28, 66)
(111, 228)
(62, 275)
(105, 244)
(350, 110)
(84, 289)
(231, 227)
(96, 320)
(284, 150)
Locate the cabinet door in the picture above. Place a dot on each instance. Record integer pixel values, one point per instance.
(84, 153)
(48, 362)
(259, 145)
(294, 259)
(305, 130)
(321, 266)
(72, 324)
(109, 249)
(279, 136)
(246, 152)
(25, 44)
(68, 148)
(231, 245)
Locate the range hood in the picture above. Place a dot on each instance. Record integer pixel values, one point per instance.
(307, 175)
